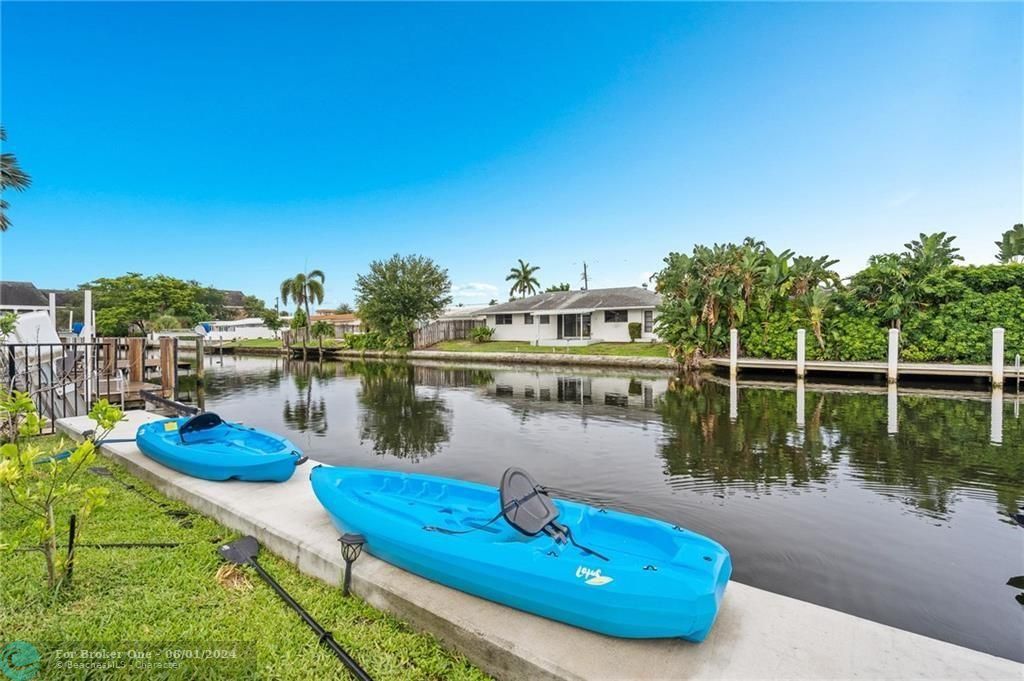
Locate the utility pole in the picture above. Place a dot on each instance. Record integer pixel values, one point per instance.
(586, 283)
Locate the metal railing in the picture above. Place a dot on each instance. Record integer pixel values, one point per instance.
(62, 379)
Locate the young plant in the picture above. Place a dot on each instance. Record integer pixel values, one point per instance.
(481, 334)
(38, 480)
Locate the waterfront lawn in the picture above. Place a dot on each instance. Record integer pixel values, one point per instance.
(254, 343)
(616, 349)
(130, 596)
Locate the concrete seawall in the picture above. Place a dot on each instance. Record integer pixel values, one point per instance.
(759, 635)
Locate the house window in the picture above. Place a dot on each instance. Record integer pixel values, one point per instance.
(616, 316)
(648, 321)
(544, 319)
(527, 318)
(502, 319)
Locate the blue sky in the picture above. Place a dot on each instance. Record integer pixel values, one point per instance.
(239, 143)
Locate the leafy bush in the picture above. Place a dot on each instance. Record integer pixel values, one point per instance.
(481, 334)
(371, 340)
(634, 331)
(35, 481)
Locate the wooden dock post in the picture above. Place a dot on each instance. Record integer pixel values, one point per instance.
(200, 361)
(169, 367)
(998, 345)
(734, 352)
(892, 372)
(801, 353)
(136, 359)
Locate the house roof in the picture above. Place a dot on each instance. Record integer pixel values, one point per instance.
(22, 293)
(581, 301)
(464, 312)
(64, 297)
(336, 318)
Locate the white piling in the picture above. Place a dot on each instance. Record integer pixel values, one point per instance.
(800, 403)
(734, 352)
(53, 311)
(86, 337)
(996, 430)
(801, 353)
(998, 343)
(893, 425)
(892, 372)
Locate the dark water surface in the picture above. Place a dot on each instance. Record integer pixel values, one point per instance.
(910, 528)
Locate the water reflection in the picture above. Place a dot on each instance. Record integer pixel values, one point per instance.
(398, 419)
(305, 413)
(795, 479)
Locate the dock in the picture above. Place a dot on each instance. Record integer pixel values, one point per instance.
(758, 635)
(921, 369)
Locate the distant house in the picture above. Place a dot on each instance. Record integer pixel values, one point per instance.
(234, 304)
(464, 312)
(343, 323)
(239, 329)
(576, 317)
(22, 296)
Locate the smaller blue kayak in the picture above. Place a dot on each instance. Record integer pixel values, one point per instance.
(205, 446)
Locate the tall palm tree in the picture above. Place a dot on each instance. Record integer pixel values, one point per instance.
(523, 281)
(302, 288)
(11, 177)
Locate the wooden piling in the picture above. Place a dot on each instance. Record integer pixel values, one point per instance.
(200, 361)
(169, 367)
(136, 359)
(734, 352)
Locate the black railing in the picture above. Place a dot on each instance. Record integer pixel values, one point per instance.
(62, 379)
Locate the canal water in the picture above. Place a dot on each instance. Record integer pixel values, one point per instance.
(894, 508)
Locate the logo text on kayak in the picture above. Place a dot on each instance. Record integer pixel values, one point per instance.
(592, 577)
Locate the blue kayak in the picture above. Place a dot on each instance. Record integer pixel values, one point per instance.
(205, 446)
(599, 569)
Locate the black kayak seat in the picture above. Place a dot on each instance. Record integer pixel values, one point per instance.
(199, 422)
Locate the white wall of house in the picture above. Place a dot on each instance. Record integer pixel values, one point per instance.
(578, 388)
(613, 332)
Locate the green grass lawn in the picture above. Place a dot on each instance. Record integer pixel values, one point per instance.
(614, 349)
(159, 596)
(253, 343)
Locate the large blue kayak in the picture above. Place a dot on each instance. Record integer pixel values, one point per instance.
(610, 572)
(205, 446)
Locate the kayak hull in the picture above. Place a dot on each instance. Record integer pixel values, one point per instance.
(228, 452)
(659, 581)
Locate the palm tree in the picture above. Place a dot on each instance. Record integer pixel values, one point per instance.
(302, 288)
(523, 281)
(816, 304)
(11, 177)
(320, 330)
(1011, 247)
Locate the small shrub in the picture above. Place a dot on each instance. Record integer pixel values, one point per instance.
(634, 331)
(481, 334)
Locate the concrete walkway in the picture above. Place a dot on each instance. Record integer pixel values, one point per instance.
(758, 635)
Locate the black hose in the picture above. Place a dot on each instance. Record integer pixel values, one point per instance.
(323, 635)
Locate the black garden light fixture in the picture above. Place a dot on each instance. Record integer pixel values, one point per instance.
(351, 548)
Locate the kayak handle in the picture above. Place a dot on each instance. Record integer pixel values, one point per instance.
(301, 460)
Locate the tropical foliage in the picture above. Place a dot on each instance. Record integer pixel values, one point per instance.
(11, 177)
(564, 286)
(946, 311)
(481, 334)
(1011, 246)
(400, 292)
(523, 282)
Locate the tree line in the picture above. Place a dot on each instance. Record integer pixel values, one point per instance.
(945, 310)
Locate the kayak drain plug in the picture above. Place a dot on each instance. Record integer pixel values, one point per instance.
(351, 547)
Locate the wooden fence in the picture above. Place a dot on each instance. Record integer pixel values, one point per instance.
(442, 330)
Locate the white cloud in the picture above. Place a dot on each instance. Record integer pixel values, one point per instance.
(473, 290)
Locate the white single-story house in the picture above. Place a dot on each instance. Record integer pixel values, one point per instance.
(576, 317)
